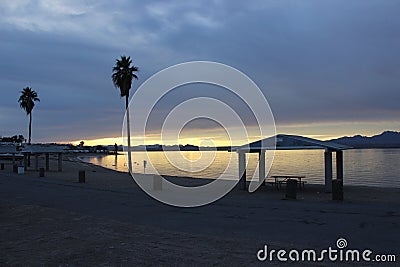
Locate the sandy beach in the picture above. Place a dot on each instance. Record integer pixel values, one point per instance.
(109, 221)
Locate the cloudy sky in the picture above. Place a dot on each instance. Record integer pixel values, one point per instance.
(327, 68)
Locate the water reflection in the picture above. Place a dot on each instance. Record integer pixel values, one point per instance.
(375, 167)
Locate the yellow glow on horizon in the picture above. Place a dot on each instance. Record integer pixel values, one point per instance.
(216, 137)
(197, 141)
(100, 141)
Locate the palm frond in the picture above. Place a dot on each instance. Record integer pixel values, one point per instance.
(27, 99)
(123, 73)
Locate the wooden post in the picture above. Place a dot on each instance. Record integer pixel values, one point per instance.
(328, 170)
(242, 169)
(261, 166)
(41, 172)
(47, 162)
(36, 162)
(82, 177)
(15, 168)
(60, 162)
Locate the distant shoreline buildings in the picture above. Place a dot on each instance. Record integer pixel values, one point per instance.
(387, 139)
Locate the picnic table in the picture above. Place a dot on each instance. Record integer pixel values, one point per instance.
(279, 180)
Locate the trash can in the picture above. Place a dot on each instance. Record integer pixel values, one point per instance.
(21, 170)
(337, 189)
(291, 189)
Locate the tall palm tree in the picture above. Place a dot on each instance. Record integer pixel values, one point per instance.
(27, 101)
(123, 74)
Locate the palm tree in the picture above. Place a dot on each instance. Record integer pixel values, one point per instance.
(27, 101)
(123, 74)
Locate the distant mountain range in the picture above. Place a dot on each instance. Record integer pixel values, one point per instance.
(387, 139)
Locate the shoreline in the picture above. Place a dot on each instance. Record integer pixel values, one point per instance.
(94, 168)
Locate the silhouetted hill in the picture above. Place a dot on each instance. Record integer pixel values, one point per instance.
(387, 139)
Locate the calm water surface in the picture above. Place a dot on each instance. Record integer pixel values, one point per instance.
(372, 167)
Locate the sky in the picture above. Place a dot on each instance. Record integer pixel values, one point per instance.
(327, 68)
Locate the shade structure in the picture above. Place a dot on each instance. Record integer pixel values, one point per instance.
(9, 150)
(44, 149)
(292, 142)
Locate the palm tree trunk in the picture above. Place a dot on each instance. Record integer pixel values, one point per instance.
(129, 133)
(30, 128)
(30, 137)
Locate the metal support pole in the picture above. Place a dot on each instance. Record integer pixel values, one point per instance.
(36, 162)
(60, 162)
(47, 162)
(261, 166)
(25, 162)
(242, 169)
(337, 185)
(339, 165)
(328, 171)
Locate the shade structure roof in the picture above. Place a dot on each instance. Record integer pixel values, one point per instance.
(8, 149)
(43, 149)
(289, 142)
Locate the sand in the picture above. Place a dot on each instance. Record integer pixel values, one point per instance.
(109, 221)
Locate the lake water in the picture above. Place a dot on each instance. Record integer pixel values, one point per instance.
(371, 167)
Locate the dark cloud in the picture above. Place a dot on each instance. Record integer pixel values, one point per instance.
(316, 61)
